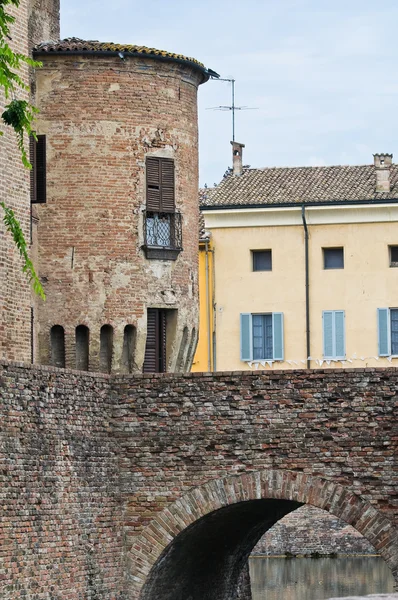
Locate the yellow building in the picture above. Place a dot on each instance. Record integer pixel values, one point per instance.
(304, 267)
(204, 355)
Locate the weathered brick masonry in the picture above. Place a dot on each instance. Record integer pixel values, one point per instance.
(101, 475)
(34, 18)
(102, 117)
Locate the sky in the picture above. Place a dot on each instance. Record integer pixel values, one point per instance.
(319, 76)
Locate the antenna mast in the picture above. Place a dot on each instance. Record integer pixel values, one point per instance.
(232, 107)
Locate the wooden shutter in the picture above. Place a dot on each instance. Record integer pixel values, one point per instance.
(160, 195)
(277, 335)
(383, 331)
(339, 334)
(151, 362)
(38, 185)
(327, 318)
(32, 160)
(167, 186)
(246, 345)
(155, 349)
(162, 341)
(153, 177)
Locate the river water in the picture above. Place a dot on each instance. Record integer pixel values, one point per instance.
(318, 578)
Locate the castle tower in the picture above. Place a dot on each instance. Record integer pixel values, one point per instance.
(33, 18)
(117, 206)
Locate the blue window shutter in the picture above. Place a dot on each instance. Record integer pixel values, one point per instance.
(277, 333)
(383, 331)
(246, 346)
(339, 332)
(327, 317)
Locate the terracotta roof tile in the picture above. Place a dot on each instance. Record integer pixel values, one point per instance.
(295, 185)
(78, 46)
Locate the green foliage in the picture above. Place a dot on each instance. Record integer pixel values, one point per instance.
(13, 226)
(19, 115)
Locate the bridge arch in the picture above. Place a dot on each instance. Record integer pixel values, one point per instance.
(232, 513)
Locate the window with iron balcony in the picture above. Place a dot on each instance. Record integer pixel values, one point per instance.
(162, 223)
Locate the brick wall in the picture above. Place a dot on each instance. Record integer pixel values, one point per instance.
(34, 18)
(99, 474)
(60, 531)
(15, 298)
(102, 116)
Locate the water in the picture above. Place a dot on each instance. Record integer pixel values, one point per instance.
(318, 578)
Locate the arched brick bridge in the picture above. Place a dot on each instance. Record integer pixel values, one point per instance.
(158, 486)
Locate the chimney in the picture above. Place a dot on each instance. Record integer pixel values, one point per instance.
(237, 150)
(382, 163)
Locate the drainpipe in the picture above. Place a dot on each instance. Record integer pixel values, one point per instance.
(208, 307)
(307, 289)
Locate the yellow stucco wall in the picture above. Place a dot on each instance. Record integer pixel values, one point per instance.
(366, 283)
(203, 359)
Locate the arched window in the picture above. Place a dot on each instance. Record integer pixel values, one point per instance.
(57, 340)
(82, 347)
(129, 339)
(106, 348)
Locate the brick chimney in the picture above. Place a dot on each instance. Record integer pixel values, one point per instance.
(237, 151)
(382, 163)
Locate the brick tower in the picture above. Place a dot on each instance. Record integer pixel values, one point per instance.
(116, 206)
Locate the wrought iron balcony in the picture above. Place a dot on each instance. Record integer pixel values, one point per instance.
(162, 235)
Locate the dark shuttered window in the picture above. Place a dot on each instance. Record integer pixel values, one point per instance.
(38, 172)
(155, 349)
(160, 185)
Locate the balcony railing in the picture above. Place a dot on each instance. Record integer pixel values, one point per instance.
(162, 235)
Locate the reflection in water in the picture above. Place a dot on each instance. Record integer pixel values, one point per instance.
(318, 578)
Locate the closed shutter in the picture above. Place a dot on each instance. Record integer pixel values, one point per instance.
(160, 195)
(41, 184)
(153, 184)
(32, 160)
(155, 349)
(383, 331)
(277, 332)
(152, 337)
(167, 185)
(162, 341)
(339, 330)
(327, 318)
(246, 346)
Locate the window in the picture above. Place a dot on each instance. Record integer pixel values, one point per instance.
(261, 336)
(333, 258)
(393, 256)
(387, 321)
(262, 260)
(333, 334)
(37, 156)
(162, 224)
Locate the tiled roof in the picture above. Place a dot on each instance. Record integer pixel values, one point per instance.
(203, 233)
(78, 46)
(295, 185)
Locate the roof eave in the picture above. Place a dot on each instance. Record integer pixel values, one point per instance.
(204, 207)
(206, 73)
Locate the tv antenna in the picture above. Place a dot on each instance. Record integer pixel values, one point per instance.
(232, 107)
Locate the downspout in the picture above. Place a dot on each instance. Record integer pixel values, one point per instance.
(307, 289)
(208, 307)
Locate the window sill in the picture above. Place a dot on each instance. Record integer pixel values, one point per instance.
(161, 253)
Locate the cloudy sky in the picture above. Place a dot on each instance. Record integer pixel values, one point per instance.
(320, 74)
